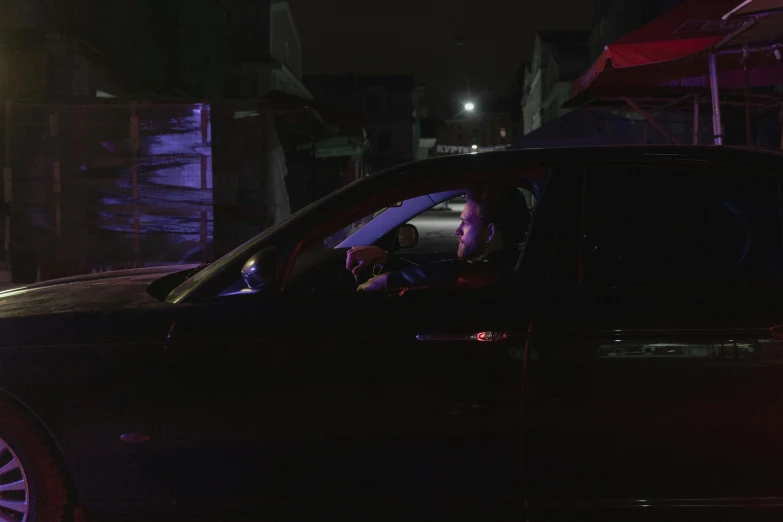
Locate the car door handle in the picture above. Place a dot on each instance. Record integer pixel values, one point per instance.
(483, 337)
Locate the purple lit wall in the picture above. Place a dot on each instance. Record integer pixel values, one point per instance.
(173, 211)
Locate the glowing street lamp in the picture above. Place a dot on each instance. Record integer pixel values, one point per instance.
(469, 106)
(474, 147)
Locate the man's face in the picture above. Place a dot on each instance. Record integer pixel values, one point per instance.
(472, 232)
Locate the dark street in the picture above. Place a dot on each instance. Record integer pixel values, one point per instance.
(228, 290)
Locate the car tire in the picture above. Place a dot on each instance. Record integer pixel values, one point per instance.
(22, 439)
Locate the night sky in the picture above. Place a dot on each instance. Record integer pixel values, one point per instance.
(418, 36)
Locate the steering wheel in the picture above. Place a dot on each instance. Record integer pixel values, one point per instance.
(363, 275)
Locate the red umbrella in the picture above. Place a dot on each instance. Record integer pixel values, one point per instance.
(658, 53)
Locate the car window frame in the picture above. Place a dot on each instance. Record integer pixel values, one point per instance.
(299, 230)
(510, 176)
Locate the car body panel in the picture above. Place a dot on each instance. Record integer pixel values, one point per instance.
(628, 407)
(84, 355)
(342, 404)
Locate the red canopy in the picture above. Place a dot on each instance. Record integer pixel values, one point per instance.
(748, 7)
(664, 45)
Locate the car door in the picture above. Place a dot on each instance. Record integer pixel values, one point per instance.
(331, 400)
(653, 388)
(350, 402)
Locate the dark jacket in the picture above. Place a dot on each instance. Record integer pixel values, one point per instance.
(484, 272)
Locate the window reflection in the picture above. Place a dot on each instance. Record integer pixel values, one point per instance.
(748, 349)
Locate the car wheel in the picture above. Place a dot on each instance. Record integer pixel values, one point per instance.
(32, 485)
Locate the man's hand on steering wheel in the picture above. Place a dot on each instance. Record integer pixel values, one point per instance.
(365, 262)
(374, 284)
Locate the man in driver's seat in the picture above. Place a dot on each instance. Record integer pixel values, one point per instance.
(492, 225)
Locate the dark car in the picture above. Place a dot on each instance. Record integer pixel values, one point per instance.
(632, 370)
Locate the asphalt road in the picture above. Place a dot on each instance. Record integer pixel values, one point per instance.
(436, 230)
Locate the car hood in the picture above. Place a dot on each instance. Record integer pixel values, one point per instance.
(93, 292)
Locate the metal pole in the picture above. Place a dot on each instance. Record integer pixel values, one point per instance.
(651, 120)
(748, 121)
(695, 119)
(203, 236)
(204, 141)
(7, 187)
(716, 120)
(54, 135)
(134, 142)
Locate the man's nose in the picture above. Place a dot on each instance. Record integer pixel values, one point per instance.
(458, 232)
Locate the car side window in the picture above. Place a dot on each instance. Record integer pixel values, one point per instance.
(437, 227)
(666, 225)
(320, 269)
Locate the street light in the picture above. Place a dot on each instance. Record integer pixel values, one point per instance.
(474, 147)
(469, 106)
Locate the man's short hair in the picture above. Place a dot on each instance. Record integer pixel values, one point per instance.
(504, 207)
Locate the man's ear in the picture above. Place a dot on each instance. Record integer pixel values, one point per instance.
(491, 229)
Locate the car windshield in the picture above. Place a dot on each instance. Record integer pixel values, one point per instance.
(245, 250)
(346, 232)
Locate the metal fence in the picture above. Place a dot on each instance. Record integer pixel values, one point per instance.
(92, 187)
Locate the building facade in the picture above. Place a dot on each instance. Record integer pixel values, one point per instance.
(201, 49)
(392, 108)
(558, 59)
(482, 129)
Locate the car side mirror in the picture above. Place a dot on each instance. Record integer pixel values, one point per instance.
(407, 236)
(262, 271)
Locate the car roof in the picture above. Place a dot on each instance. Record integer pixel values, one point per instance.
(435, 169)
(443, 166)
(704, 153)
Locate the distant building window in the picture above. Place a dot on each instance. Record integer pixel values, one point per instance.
(375, 100)
(374, 103)
(502, 132)
(384, 141)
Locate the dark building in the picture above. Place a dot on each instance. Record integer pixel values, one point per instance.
(515, 111)
(104, 115)
(559, 57)
(147, 48)
(391, 106)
